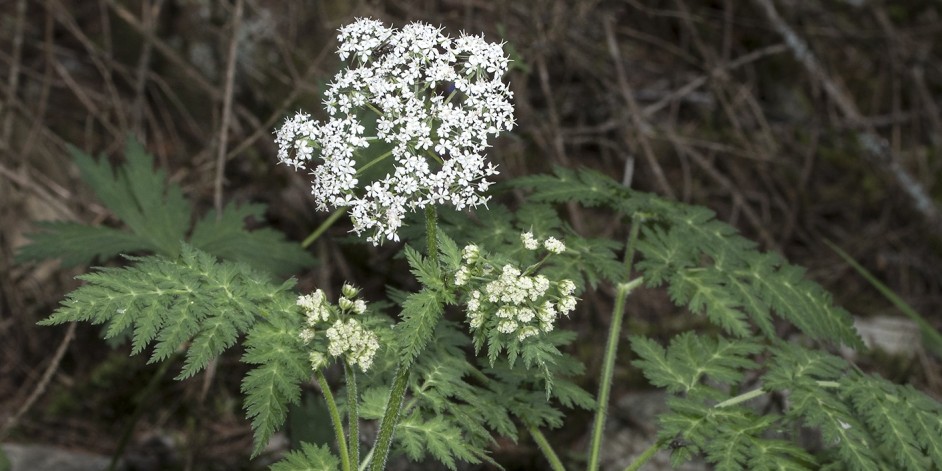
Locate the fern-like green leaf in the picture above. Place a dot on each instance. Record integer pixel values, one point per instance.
(208, 302)
(427, 272)
(156, 213)
(436, 437)
(420, 314)
(274, 383)
(690, 358)
(308, 458)
(588, 187)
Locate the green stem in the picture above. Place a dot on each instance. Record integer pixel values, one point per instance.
(431, 233)
(608, 370)
(540, 439)
(335, 418)
(373, 162)
(749, 395)
(632, 242)
(611, 349)
(645, 456)
(323, 227)
(353, 416)
(390, 418)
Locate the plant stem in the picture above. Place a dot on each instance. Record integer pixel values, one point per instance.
(398, 392)
(353, 416)
(608, 371)
(373, 162)
(431, 233)
(611, 348)
(645, 456)
(323, 227)
(632, 242)
(540, 439)
(335, 418)
(390, 418)
(749, 395)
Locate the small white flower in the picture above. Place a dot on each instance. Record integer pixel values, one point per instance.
(470, 253)
(554, 245)
(359, 306)
(529, 242)
(352, 339)
(507, 327)
(307, 335)
(567, 287)
(462, 276)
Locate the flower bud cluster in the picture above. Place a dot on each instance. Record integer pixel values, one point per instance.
(515, 302)
(437, 101)
(345, 335)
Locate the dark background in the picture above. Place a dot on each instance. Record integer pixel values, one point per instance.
(714, 103)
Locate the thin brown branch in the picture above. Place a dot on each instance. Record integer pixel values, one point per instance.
(634, 112)
(875, 146)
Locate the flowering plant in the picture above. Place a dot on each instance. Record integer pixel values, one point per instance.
(436, 101)
(496, 283)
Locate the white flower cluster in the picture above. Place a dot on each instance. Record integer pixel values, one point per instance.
(513, 301)
(345, 336)
(437, 100)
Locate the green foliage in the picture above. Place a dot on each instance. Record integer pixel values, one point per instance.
(867, 422)
(173, 301)
(198, 304)
(690, 358)
(157, 217)
(274, 384)
(707, 266)
(586, 261)
(308, 458)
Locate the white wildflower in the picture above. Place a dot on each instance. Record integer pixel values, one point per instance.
(359, 306)
(511, 300)
(554, 245)
(315, 307)
(352, 339)
(462, 276)
(400, 74)
(529, 242)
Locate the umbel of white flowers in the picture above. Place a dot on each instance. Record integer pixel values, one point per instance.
(436, 101)
(513, 301)
(345, 336)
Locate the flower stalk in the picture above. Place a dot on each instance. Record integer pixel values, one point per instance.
(611, 349)
(335, 419)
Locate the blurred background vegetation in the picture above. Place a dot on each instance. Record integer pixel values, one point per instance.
(799, 122)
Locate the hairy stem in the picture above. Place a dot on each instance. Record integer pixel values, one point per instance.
(431, 233)
(323, 227)
(611, 349)
(390, 418)
(353, 416)
(540, 439)
(398, 391)
(335, 418)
